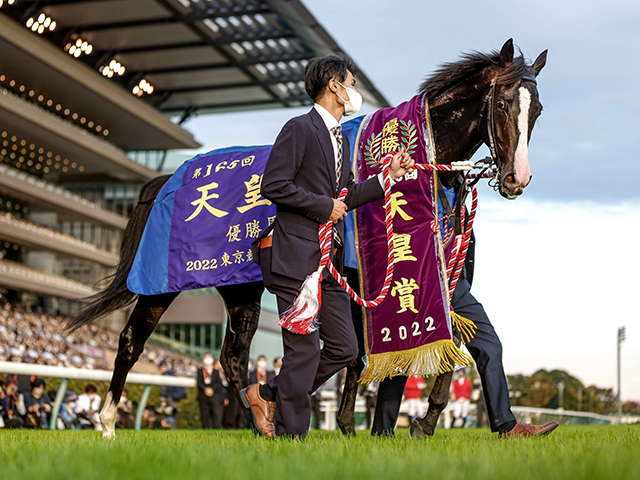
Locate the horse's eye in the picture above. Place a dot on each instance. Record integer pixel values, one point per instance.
(501, 105)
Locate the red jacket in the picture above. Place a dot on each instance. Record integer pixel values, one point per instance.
(462, 389)
(413, 388)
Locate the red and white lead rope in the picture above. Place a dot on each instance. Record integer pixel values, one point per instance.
(302, 316)
(459, 252)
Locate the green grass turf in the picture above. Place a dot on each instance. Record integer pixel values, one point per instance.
(602, 452)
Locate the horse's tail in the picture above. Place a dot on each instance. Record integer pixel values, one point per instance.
(116, 295)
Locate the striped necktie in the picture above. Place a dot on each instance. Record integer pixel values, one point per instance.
(337, 133)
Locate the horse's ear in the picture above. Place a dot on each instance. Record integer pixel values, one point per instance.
(540, 62)
(506, 54)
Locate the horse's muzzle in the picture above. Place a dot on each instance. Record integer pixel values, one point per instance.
(510, 188)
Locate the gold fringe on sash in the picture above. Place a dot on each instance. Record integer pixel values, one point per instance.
(465, 326)
(435, 358)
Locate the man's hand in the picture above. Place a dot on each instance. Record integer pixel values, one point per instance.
(208, 391)
(402, 163)
(339, 211)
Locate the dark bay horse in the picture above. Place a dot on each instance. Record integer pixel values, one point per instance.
(483, 98)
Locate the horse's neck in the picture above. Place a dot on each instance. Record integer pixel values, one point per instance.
(455, 118)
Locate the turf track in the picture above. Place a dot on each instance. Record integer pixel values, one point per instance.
(603, 452)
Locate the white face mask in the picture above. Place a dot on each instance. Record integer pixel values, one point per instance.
(353, 105)
(38, 391)
(208, 361)
(261, 365)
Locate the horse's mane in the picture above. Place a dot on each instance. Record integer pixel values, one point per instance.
(450, 74)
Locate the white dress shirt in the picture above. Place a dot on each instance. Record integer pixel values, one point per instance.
(331, 122)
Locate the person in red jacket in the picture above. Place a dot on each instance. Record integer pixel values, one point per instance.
(462, 394)
(413, 397)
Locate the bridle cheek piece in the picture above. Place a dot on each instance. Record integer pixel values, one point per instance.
(494, 163)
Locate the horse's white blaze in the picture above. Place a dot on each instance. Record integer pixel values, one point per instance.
(108, 417)
(522, 171)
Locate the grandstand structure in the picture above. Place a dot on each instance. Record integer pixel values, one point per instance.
(92, 97)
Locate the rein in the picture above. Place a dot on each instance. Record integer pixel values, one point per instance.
(302, 316)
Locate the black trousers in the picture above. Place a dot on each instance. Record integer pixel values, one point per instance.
(305, 366)
(486, 350)
(233, 416)
(211, 414)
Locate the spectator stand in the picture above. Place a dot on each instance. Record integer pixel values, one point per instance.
(96, 375)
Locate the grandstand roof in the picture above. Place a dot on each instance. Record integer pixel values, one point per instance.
(200, 56)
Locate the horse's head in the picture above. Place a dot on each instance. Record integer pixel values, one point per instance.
(511, 111)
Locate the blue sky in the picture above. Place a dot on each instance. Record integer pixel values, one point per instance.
(557, 267)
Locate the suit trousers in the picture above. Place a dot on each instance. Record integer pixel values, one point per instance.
(306, 366)
(210, 413)
(486, 350)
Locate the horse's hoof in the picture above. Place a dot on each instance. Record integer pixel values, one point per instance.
(108, 434)
(416, 430)
(348, 428)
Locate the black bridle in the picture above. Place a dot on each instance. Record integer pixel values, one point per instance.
(494, 163)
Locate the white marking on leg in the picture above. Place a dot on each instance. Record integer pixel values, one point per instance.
(521, 166)
(108, 417)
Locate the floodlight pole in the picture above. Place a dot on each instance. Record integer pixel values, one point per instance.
(621, 337)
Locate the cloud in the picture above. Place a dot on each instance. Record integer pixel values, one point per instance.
(558, 286)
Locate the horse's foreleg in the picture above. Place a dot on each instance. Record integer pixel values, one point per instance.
(438, 400)
(243, 308)
(142, 322)
(346, 417)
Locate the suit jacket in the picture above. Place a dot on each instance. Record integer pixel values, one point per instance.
(219, 390)
(300, 179)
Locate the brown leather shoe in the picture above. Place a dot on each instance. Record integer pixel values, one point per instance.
(261, 411)
(526, 430)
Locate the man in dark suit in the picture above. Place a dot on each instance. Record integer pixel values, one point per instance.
(307, 168)
(211, 393)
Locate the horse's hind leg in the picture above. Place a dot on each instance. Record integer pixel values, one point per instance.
(142, 322)
(438, 400)
(346, 417)
(243, 306)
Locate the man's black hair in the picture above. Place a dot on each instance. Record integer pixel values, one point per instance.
(90, 388)
(323, 68)
(37, 382)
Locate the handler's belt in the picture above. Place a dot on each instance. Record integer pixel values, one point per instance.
(266, 242)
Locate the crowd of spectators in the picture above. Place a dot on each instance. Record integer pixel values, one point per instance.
(35, 337)
(30, 336)
(32, 408)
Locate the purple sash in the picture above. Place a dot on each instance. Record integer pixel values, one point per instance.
(410, 332)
